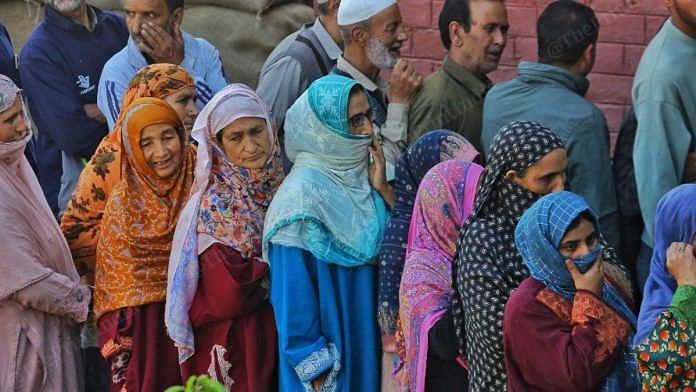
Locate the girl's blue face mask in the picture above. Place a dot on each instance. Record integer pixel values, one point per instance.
(586, 262)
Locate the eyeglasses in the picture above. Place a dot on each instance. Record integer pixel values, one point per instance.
(360, 119)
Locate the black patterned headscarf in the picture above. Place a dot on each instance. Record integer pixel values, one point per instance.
(487, 265)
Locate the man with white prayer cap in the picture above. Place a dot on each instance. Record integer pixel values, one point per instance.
(299, 59)
(373, 34)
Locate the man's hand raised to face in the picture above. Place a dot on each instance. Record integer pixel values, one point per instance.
(161, 46)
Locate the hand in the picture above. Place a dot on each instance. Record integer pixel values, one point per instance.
(681, 263)
(318, 382)
(162, 46)
(377, 173)
(377, 170)
(592, 280)
(405, 82)
(93, 112)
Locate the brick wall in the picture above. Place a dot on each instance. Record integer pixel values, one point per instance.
(626, 27)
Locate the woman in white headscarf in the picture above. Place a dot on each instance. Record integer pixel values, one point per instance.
(217, 302)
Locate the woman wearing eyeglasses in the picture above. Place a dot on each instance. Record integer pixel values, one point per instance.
(322, 235)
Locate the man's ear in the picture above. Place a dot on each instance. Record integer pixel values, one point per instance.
(455, 32)
(669, 3)
(588, 53)
(359, 35)
(333, 6)
(178, 16)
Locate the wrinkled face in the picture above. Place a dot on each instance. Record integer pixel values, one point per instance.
(546, 176)
(161, 148)
(13, 125)
(483, 45)
(579, 241)
(65, 6)
(184, 103)
(386, 36)
(139, 12)
(359, 114)
(246, 142)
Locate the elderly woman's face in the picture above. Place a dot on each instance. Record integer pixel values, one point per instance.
(161, 148)
(246, 142)
(184, 103)
(359, 114)
(544, 177)
(13, 126)
(580, 240)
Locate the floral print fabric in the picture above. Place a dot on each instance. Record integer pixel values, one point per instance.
(81, 222)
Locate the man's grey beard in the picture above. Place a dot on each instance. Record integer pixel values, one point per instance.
(379, 54)
(66, 5)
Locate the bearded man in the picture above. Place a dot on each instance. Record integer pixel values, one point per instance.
(373, 34)
(61, 64)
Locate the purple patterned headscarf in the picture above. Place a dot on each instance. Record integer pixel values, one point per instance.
(445, 199)
(430, 149)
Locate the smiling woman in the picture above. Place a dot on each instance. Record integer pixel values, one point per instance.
(81, 223)
(161, 148)
(134, 246)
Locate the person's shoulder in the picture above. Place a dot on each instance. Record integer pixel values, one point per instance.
(40, 40)
(436, 88)
(525, 302)
(504, 87)
(526, 293)
(117, 65)
(202, 45)
(482, 233)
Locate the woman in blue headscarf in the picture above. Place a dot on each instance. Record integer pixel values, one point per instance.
(322, 236)
(568, 326)
(666, 337)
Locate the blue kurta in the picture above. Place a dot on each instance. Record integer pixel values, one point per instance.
(326, 318)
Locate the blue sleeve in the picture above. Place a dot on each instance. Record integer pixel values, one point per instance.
(110, 93)
(56, 107)
(295, 300)
(657, 296)
(660, 150)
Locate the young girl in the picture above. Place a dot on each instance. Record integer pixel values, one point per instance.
(567, 327)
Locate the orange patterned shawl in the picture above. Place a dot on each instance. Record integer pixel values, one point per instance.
(140, 217)
(82, 219)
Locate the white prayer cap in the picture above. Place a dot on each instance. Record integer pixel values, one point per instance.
(355, 11)
(322, 1)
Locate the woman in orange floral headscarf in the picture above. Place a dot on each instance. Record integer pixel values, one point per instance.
(82, 219)
(134, 246)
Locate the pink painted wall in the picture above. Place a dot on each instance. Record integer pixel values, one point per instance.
(626, 27)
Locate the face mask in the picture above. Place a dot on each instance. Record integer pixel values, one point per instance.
(586, 262)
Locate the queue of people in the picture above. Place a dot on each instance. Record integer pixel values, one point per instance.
(355, 235)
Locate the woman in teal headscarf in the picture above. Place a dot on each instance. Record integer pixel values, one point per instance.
(322, 235)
